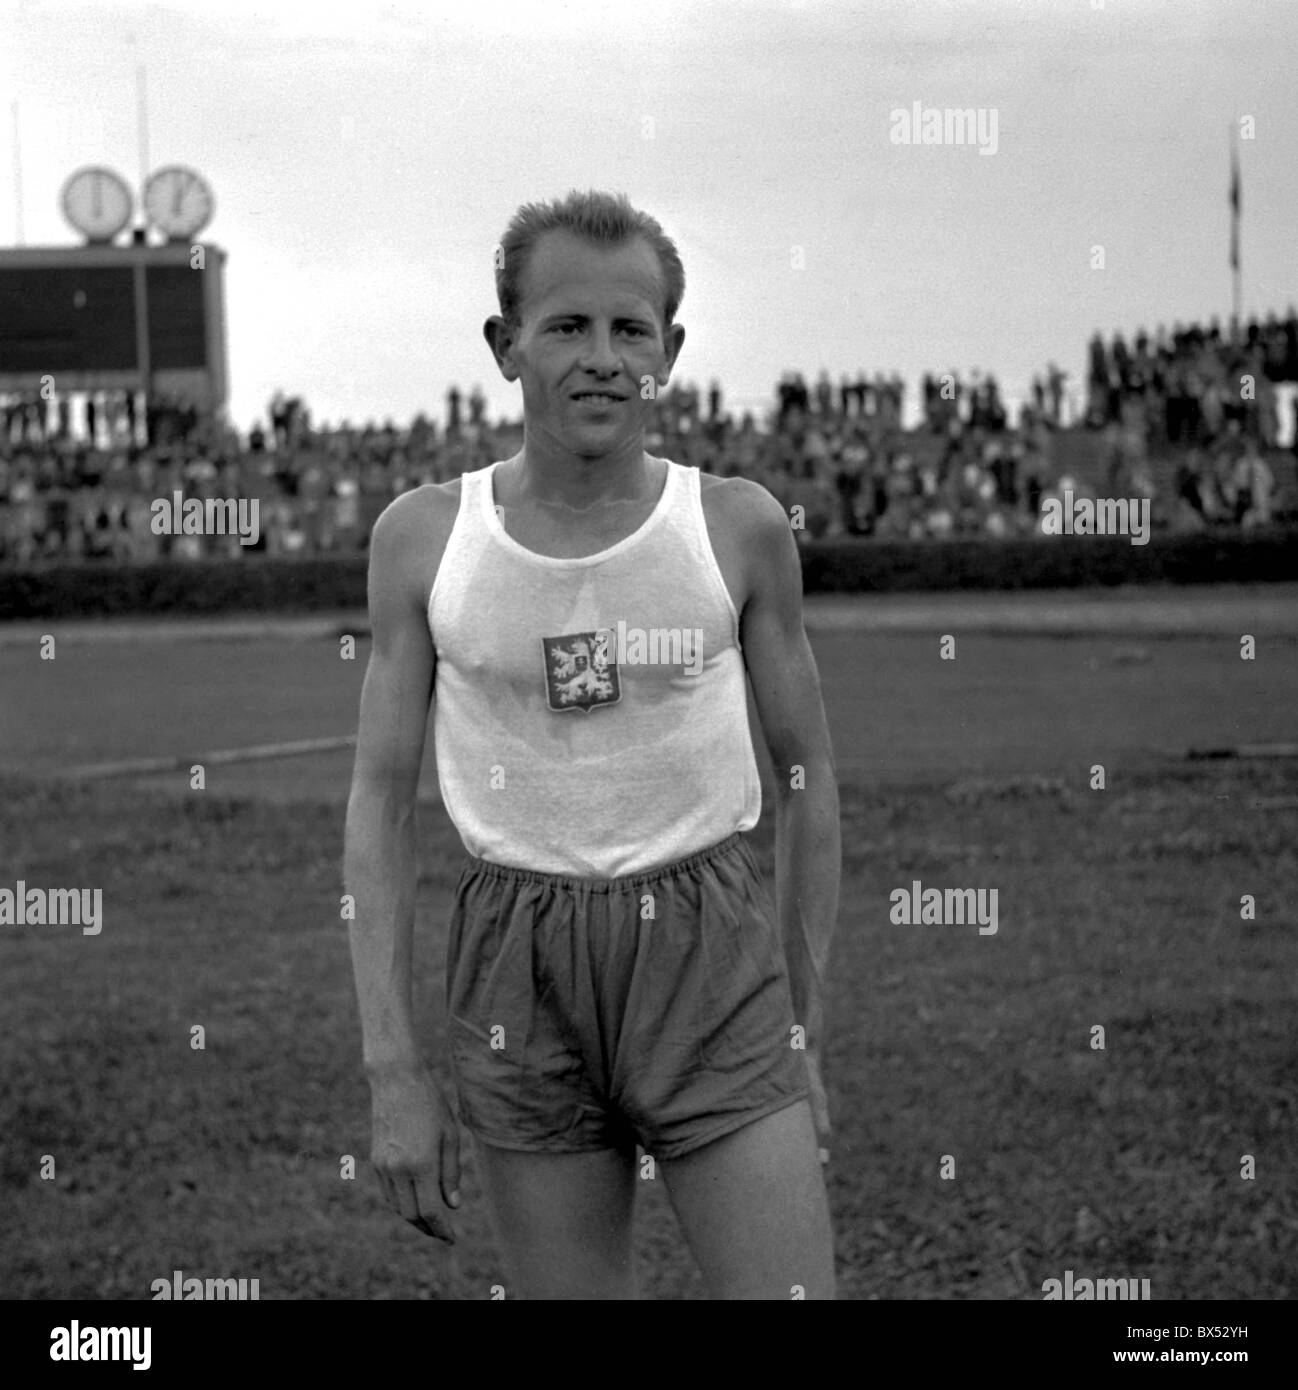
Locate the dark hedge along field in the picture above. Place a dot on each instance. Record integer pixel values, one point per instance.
(1118, 909)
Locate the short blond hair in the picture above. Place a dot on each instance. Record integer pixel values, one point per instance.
(603, 219)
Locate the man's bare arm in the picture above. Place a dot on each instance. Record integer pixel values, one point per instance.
(379, 853)
(416, 1142)
(786, 689)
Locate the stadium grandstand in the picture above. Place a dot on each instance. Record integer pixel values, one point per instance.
(1201, 422)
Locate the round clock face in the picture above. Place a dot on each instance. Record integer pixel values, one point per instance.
(178, 202)
(97, 202)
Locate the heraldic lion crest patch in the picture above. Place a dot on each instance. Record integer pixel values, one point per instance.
(580, 671)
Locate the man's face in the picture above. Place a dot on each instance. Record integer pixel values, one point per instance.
(591, 332)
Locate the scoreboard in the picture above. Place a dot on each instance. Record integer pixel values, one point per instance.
(98, 318)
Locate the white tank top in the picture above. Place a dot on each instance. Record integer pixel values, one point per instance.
(590, 714)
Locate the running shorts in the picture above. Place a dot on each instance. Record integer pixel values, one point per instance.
(588, 1014)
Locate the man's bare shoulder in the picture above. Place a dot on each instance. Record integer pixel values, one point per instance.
(749, 531)
(742, 506)
(419, 517)
(410, 535)
(415, 510)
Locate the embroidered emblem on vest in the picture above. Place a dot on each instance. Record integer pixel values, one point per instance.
(580, 671)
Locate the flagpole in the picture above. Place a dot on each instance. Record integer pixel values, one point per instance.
(1235, 285)
(1235, 259)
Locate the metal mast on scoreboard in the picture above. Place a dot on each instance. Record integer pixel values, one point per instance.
(141, 238)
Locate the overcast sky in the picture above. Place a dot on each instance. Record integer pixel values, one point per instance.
(365, 159)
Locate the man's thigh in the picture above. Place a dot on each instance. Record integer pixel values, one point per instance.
(754, 1209)
(563, 1222)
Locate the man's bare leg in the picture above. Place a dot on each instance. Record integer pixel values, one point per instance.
(754, 1210)
(563, 1222)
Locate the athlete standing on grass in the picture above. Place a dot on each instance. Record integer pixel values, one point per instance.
(581, 617)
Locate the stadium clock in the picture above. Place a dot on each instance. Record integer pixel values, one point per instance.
(178, 202)
(97, 202)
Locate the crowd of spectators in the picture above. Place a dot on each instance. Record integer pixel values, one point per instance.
(1187, 386)
(319, 488)
(842, 464)
(838, 458)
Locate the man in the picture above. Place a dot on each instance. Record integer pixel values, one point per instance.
(582, 616)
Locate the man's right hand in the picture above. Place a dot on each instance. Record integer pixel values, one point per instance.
(416, 1151)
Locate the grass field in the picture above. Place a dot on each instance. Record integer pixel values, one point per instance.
(1118, 907)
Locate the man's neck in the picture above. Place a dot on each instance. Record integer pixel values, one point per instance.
(568, 483)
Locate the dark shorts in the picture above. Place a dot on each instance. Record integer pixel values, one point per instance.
(612, 1027)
